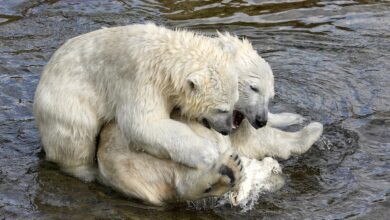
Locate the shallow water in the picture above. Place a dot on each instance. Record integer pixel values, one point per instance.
(331, 60)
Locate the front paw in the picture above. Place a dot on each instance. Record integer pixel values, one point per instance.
(202, 159)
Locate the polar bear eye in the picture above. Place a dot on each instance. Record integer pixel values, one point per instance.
(222, 111)
(255, 89)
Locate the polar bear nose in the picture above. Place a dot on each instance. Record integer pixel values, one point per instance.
(225, 132)
(261, 123)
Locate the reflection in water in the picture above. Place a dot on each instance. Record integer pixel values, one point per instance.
(330, 59)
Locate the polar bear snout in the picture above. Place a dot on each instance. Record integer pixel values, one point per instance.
(261, 120)
(257, 116)
(222, 123)
(225, 132)
(260, 123)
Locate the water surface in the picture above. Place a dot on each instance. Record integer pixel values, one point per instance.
(331, 60)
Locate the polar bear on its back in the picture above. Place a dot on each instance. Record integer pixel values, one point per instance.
(136, 75)
(256, 82)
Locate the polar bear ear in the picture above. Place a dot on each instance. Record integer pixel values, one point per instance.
(228, 47)
(194, 81)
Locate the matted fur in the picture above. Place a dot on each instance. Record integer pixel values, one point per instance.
(136, 75)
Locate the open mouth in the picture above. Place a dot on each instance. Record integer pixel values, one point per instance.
(206, 123)
(237, 119)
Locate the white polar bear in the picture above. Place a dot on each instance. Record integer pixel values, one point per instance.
(256, 82)
(135, 75)
(256, 88)
(159, 181)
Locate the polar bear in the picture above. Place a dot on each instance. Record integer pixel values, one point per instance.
(255, 134)
(162, 181)
(158, 181)
(256, 81)
(135, 75)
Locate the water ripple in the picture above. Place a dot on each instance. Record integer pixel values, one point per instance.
(331, 63)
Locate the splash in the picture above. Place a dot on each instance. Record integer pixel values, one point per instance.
(261, 177)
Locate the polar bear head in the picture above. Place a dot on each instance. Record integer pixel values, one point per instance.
(211, 93)
(256, 83)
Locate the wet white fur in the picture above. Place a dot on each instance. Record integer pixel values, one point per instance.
(284, 119)
(70, 112)
(252, 144)
(158, 181)
(261, 144)
(273, 142)
(266, 141)
(136, 75)
(253, 72)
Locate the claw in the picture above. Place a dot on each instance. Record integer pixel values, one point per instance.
(207, 190)
(224, 170)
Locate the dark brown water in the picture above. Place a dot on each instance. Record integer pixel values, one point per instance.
(331, 60)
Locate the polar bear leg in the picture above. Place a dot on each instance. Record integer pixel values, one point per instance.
(71, 144)
(74, 153)
(282, 144)
(161, 136)
(285, 119)
(273, 142)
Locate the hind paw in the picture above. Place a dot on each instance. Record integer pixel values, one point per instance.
(232, 168)
(231, 173)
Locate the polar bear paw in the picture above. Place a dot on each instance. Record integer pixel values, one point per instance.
(230, 170)
(283, 120)
(308, 136)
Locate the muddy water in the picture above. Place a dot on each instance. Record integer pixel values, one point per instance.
(331, 60)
